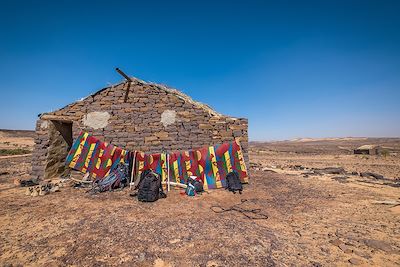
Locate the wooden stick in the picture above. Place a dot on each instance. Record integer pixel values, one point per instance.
(129, 83)
(127, 92)
(168, 173)
(176, 184)
(133, 167)
(123, 74)
(80, 181)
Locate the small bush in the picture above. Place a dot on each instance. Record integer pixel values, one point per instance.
(385, 153)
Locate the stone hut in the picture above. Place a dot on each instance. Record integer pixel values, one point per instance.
(152, 118)
(368, 150)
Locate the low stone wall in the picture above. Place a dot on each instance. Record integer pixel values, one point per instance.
(153, 119)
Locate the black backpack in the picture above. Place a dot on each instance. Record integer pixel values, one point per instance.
(150, 188)
(233, 182)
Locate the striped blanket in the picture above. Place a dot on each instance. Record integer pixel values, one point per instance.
(211, 164)
(88, 154)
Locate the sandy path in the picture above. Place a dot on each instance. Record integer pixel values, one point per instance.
(15, 156)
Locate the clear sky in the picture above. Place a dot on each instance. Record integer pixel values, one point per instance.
(293, 68)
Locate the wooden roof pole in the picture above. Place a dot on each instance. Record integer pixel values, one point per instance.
(129, 82)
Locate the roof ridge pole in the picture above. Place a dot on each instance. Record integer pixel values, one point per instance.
(129, 83)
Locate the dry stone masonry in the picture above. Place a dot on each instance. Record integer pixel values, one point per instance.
(153, 119)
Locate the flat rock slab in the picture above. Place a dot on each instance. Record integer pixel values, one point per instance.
(355, 261)
(345, 248)
(378, 244)
(371, 174)
(330, 170)
(336, 242)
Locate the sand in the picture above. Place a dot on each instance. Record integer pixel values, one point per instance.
(313, 220)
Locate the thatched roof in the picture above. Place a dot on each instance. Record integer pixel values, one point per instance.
(165, 88)
(180, 95)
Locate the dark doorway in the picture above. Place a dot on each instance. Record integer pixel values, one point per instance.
(65, 129)
(60, 137)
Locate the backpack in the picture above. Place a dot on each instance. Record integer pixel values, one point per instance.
(150, 188)
(117, 178)
(190, 190)
(197, 184)
(233, 182)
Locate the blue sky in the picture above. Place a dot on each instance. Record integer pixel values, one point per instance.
(293, 68)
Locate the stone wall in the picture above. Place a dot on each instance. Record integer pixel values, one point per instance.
(153, 119)
(40, 151)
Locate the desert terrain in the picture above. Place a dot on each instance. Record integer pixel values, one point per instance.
(316, 216)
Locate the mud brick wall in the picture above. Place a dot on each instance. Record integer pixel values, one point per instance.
(154, 118)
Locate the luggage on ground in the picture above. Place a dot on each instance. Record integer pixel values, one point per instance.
(149, 187)
(117, 178)
(194, 186)
(190, 190)
(197, 183)
(233, 182)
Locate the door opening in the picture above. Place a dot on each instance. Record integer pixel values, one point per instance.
(60, 142)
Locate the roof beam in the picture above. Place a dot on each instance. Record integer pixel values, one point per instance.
(129, 82)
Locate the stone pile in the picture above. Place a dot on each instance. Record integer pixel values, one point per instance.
(43, 188)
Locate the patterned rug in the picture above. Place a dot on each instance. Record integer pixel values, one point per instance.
(89, 154)
(211, 164)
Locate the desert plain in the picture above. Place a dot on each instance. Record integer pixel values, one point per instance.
(322, 208)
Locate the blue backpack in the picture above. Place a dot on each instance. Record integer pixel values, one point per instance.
(193, 186)
(117, 178)
(190, 190)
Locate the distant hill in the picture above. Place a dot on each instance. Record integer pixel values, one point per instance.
(327, 145)
(17, 133)
(329, 139)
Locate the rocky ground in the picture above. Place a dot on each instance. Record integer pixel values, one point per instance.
(14, 139)
(334, 152)
(314, 219)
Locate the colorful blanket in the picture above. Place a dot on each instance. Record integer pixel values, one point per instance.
(155, 162)
(88, 154)
(211, 164)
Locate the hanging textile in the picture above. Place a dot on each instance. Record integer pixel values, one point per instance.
(155, 162)
(211, 164)
(88, 154)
